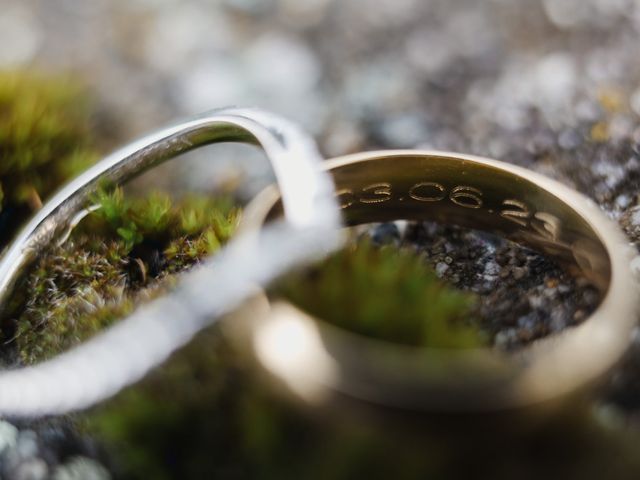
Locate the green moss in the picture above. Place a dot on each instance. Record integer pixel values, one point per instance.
(198, 221)
(203, 416)
(146, 427)
(385, 293)
(44, 140)
(99, 275)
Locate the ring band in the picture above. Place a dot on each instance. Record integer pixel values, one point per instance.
(122, 354)
(476, 193)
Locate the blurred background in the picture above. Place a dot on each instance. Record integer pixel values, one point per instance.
(553, 85)
(505, 78)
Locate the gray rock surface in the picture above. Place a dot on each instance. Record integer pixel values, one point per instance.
(81, 468)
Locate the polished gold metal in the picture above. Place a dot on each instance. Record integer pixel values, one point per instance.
(322, 363)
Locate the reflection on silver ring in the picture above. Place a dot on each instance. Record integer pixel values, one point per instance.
(124, 353)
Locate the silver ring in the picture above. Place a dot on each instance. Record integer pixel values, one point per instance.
(121, 355)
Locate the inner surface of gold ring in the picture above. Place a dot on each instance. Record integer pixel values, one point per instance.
(475, 195)
(515, 203)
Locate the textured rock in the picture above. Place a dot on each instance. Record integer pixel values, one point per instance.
(81, 468)
(8, 436)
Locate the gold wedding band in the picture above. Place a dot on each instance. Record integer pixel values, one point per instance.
(321, 363)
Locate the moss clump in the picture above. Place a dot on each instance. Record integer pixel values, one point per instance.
(44, 140)
(119, 256)
(386, 293)
(202, 416)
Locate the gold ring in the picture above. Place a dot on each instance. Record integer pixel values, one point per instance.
(322, 363)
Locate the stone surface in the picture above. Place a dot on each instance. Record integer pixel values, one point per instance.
(81, 468)
(8, 436)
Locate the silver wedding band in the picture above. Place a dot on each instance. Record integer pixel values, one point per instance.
(122, 354)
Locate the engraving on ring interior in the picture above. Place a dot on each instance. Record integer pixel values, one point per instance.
(465, 196)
